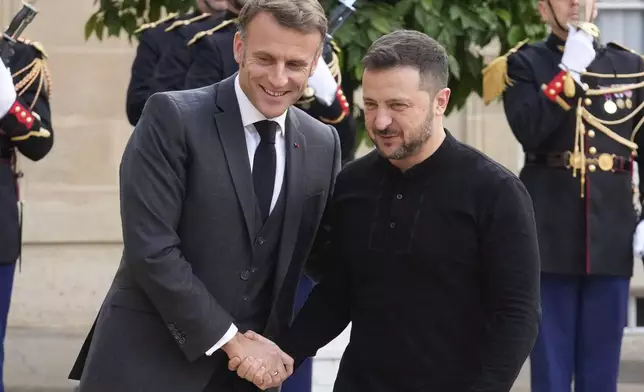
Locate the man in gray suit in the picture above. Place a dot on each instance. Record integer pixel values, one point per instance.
(222, 192)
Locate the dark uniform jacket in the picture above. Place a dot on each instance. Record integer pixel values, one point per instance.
(214, 61)
(27, 129)
(154, 41)
(585, 217)
(173, 66)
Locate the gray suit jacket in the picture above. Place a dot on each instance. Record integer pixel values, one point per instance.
(187, 207)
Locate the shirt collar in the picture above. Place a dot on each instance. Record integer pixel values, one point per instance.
(249, 112)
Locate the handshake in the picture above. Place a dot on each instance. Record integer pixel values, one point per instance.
(258, 360)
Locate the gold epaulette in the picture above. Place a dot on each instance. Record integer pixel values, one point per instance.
(495, 75)
(185, 22)
(149, 25)
(204, 33)
(35, 72)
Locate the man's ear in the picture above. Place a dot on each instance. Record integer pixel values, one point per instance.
(238, 48)
(442, 99)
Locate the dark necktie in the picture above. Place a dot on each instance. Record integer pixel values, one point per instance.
(264, 166)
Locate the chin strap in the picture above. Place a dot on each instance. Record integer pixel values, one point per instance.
(554, 15)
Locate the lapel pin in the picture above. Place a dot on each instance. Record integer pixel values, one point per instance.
(296, 145)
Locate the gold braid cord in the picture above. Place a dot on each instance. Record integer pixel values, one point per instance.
(35, 72)
(185, 22)
(150, 25)
(204, 33)
(578, 161)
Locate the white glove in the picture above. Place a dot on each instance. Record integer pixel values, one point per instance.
(323, 83)
(7, 90)
(638, 241)
(578, 53)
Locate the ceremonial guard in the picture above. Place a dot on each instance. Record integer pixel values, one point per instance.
(25, 129)
(173, 65)
(575, 106)
(154, 40)
(212, 51)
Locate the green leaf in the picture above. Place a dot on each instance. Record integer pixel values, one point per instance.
(129, 23)
(381, 24)
(454, 66)
(90, 25)
(505, 16)
(514, 35)
(402, 8)
(373, 34)
(99, 28)
(427, 5)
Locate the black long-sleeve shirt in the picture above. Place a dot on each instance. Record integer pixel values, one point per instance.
(437, 269)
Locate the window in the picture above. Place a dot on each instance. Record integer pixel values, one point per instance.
(622, 21)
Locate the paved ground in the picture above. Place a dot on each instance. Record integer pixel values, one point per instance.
(39, 361)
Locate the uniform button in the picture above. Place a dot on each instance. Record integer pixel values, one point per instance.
(592, 168)
(260, 240)
(592, 150)
(591, 133)
(245, 274)
(392, 225)
(399, 196)
(245, 298)
(181, 340)
(588, 101)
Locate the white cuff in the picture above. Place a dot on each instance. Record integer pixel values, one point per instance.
(225, 339)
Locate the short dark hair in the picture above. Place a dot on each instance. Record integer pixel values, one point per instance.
(411, 49)
(305, 16)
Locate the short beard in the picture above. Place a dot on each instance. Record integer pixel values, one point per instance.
(411, 146)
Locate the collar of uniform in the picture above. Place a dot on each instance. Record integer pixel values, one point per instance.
(557, 44)
(249, 112)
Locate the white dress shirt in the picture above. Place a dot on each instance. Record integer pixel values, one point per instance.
(249, 116)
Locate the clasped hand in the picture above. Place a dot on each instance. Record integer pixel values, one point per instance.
(258, 360)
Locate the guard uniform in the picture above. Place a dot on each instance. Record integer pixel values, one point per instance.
(25, 129)
(580, 145)
(214, 61)
(173, 65)
(213, 58)
(152, 43)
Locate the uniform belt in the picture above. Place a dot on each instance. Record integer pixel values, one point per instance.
(603, 162)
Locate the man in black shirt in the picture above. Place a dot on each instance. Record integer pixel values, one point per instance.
(429, 247)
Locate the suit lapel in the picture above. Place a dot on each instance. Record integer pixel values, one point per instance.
(294, 176)
(233, 140)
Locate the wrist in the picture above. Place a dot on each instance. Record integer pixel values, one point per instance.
(233, 345)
